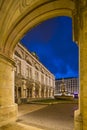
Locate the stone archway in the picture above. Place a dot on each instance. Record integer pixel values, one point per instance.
(23, 15)
(17, 17)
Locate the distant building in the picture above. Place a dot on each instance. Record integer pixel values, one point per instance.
(32, 79)
(71, 85)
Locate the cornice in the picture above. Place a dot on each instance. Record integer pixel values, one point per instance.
(7, 59)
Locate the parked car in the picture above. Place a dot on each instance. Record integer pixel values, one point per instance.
(75, 95)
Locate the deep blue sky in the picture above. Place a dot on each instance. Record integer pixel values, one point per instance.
(52, 42)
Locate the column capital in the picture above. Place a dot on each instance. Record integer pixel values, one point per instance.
(7, 59)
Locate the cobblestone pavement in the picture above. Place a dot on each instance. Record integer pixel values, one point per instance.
(48, 117)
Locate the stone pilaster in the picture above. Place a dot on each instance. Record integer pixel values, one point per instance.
(51, 92)
(33, 90)
(45, 92)
(48, 93)
(39, 91)
(81, 113)
(8, 108)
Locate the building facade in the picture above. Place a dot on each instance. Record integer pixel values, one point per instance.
(71, 85)
(32, 79)
(18, 17)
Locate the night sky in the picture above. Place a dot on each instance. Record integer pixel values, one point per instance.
(53, 44)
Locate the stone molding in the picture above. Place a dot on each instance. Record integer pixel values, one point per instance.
(32, 60)
(13, 27)
(5, 58)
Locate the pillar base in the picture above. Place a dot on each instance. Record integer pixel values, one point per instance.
(78, 122)
(8, 114)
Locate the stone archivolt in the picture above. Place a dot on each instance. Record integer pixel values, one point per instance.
(16, 24)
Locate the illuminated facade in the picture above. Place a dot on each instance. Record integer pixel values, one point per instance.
(71, 85)
(20, 16)
(32, 79)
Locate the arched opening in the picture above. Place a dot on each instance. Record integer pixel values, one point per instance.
(46, 91)
(27, 14)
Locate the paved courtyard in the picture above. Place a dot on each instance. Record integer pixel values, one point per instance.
(48, 117)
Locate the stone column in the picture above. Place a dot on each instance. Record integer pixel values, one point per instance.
(51, 92)
(81, 113)
(33, 90)
(42, 91)
(39, 91)
(45, 92)
(48, 93)
(8, 108)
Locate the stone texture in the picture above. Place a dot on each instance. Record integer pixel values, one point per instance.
(8, 109)
(18, 17)
(30, 76)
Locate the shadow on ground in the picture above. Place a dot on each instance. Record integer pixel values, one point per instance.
(51, 117)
